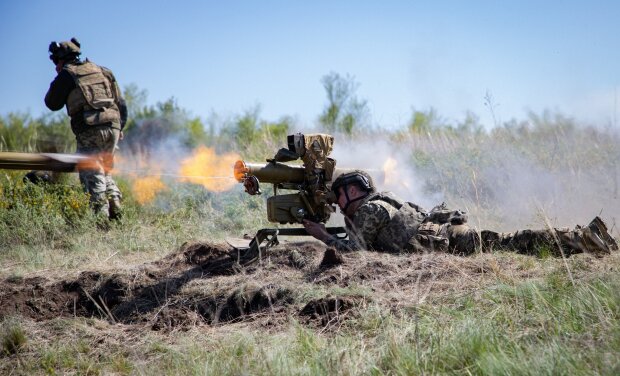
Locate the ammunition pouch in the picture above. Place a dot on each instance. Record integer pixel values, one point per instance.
(287, 208)
(441, 214)
(431, 237)
(101, 116)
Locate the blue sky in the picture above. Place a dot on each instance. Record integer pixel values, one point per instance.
(227, 57)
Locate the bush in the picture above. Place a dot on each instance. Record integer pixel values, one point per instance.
(40, 213)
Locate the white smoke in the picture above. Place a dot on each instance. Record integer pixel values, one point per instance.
(503, 184)
(389, 166)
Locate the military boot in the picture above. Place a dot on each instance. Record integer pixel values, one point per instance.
(115, 208)
(490, 240)
(597, 239)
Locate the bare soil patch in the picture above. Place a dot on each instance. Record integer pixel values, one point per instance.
(203, 284)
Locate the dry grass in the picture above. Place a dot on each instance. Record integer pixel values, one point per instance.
(397, 298)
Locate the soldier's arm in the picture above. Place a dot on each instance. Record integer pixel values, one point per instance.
(368, 220)
(344, 245)
(118, 96)
(319, 231)
(59, 90)
(122, 107)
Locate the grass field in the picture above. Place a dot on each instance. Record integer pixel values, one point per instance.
(157, 293)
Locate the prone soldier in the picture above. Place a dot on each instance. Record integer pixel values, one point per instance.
(383, 222)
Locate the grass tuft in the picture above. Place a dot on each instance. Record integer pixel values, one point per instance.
(13, 337)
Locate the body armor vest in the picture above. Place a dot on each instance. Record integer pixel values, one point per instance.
(403, 227)
(93, 96)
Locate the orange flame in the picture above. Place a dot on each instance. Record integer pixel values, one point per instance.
(145, 189)
(393, 177)
(207, 168)
(97, 162)
(145, 176)
(240, 171)
(390, 171)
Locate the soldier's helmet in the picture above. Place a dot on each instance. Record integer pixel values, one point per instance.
(359, 178)
(38, 177)
(67, 50)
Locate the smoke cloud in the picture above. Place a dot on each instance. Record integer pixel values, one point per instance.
(506, 180)
(389, 166)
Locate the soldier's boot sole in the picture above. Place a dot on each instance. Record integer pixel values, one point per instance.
(597, 234)
(491, 240)
(594, 238)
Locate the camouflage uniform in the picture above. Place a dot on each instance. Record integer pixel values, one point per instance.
(385, 223)
(100, 142)
(98, 114)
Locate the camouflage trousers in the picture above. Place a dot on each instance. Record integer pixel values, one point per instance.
(593, 238)
(100, 143)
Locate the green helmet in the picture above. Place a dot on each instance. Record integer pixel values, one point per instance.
(67, 50)
(356, 177)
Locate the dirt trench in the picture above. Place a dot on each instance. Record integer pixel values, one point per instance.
(200, 284)
(203, 284)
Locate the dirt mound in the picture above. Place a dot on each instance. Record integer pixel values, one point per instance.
(157, 293)
(35, 298)
(329, 309)
(244, 301)
(201, 254)
(204, 284)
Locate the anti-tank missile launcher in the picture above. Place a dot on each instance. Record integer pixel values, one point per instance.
(313, 199)
(311, 181)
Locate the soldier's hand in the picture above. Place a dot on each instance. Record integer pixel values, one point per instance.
(316, 230)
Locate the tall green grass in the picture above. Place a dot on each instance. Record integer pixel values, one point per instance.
(529, 328)
(548, 327)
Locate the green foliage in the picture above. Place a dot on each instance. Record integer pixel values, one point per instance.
(151, 126)
(422, 122)
(429, 121)
(12, 337)
(50, 133)
(247, 128)
(277, 130)
(481, 170)
(40, 213)
(75, 356)
(197, 134)
(344, 112)
(529, 328)
(252, 136)
(136, 100)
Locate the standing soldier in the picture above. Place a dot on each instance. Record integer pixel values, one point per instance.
(98, 114)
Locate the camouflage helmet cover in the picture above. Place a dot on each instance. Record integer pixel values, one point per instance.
(359, 178)
(64, 50)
